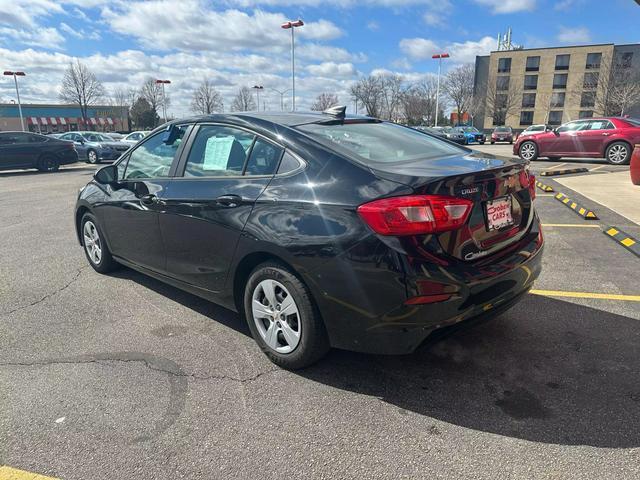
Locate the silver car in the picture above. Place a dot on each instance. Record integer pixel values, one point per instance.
(95, 147)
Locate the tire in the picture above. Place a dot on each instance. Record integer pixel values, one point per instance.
(510, 142)
(528, 151)
(554, 159)
(48, 164)
(92, 157)
(481, 143)
(298, 339)
(618, 153)
(92, 236)
(493, 143)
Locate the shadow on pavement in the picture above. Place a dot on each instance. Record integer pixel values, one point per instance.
(82, 169)
(546, 371)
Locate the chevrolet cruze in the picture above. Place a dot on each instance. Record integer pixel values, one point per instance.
(323, 230)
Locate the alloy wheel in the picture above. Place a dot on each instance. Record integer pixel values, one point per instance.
(92, 242)
(527, 151)
(618, 154)
(276, 316)
(93, 156)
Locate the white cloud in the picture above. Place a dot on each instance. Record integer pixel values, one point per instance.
(574, 35)
(373, 25)
(437, 13)
(23, 14)
(79, 33)
(332, 69)
(460, 52)
(402, 64)
(508, 6)
(49, 37)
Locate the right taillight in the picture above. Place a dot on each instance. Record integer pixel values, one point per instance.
(415, 214)
(532, 186)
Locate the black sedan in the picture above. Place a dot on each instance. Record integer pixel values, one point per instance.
(324, 230)
(20, 150)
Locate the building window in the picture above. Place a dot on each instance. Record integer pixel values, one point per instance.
(560, 80)
(562, 62)
(502, 83)
(585, 114)
(557, 100)
(526, 118)
(528, 100)
(593, 60)
(588, 99)
(530, 82)
(504, 65)
(625, 60)
(533, 64)
(555, 117)
(590, 80)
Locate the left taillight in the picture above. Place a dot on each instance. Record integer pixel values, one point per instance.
(532, 186)
(415, 214)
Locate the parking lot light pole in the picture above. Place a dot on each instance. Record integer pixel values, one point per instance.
(15, 79)
(292, 26)
(164, 98)
(258, 88)
(439, 56)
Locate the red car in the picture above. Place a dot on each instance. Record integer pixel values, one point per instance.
(610, 138)
(502, 134)
(635, 166)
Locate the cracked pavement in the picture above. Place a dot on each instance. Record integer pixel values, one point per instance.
(111, 377)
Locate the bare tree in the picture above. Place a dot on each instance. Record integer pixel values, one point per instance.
(458, 85)
(368, 91)
(419, 102)
(502, 103)
(392, 96)
(152, 93)
(324, 101)
(121, 98)
(206, 99)
(243, 101)
(80, 86)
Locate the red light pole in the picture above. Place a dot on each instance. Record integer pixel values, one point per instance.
(292, 25)
(439, 56)
(15, 79)
(164, 99)
(258, 88)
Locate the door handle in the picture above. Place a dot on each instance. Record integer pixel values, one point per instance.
(150, 200)
(605, 134)
(229, 201)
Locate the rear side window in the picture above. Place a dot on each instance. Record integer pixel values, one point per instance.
(264, 158)
(381, 142)
(289, 163)
(218, 151)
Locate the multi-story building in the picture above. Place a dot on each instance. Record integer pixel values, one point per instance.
(549, 86)
(52, 118)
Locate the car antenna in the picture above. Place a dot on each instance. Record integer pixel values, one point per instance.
(338, 111)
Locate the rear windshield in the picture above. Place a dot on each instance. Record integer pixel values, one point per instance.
(633, 121)
(503, 129)
(380, 142)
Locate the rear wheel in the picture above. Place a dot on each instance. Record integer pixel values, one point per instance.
(618, 153)
(95, 248)
(48, 164)
(92, 157)
(282, 317)
(528, 151)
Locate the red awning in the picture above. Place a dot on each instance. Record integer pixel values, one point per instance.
(43, 120)
(110, 120)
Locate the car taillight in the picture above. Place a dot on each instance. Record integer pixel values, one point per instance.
(532, 186)
(415, 214)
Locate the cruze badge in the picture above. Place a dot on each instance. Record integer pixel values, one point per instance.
(469, 191)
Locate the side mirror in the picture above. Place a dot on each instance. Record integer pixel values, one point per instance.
(548, 129)
(106, 175)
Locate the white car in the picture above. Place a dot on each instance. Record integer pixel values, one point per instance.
(135, 137)
(533, 129)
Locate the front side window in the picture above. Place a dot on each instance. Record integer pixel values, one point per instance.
(560, 80)
(153, 158)
(593, 60)
(573, 126)
(218, 151)
(533, 64)
(379, 142)
(530, 82)
(562, 62)
(504, 65)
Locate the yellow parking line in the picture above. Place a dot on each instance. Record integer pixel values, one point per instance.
(557, 166)
(569, 225)
(8, 473)
(597, 296)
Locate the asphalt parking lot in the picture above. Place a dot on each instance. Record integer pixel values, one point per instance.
(111, 377)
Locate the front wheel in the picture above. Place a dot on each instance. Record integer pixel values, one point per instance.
(92, 157)
(95, 248)
(282, 317)
(528, 151)
(618, 153)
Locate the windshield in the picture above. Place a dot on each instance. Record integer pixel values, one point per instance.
(503, 129)
(379, 142)
(469, 129)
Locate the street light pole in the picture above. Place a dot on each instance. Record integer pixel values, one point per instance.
(15, 79)
(258, 88)
(164, 98)
(439, 56)
(281, 92)
(292, 25)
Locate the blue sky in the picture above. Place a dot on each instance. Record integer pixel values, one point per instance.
(236, 43)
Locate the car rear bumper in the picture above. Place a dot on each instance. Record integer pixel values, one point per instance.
(109, 154)
(372, 316)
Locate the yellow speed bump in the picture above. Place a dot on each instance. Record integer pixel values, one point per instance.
(580, 210)
(624, 239)
(8, 473)
(596, 296)
(566, 171)
(543, 187)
